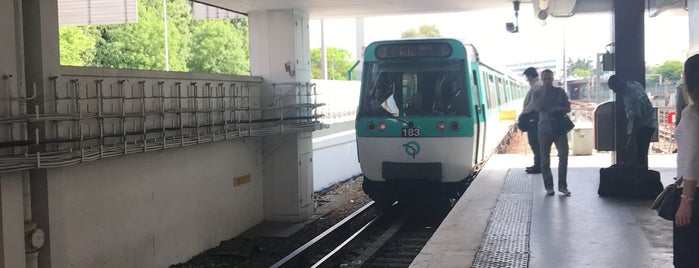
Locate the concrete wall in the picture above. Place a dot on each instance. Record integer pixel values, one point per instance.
(11, 210)
(9, 70)
(278, 38)
(152, 209)
(335, 158)
(335, 148)
(11, 220)
(8, 53)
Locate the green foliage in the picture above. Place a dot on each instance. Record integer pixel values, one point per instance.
(579, 67)
(142, 45)
(339, 62)
(425, 31)
(210, 46)
(77, 45)
(670, 70)
(219, 49)
(581, 73)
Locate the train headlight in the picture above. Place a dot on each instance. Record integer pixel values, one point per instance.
(454, 126)
(441, 125)
(371, 126)
(382, 126)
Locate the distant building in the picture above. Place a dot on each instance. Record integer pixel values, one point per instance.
(518, 68)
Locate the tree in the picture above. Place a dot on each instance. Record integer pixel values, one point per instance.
(425, 31)
(142, 45)
(339, 62)
(219, 48)
(581, 73)
(670, 70)
(579, 67)
(77, 45)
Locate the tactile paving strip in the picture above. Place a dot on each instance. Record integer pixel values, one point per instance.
(506, 240)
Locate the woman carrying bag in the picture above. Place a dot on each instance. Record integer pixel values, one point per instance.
(686, 224)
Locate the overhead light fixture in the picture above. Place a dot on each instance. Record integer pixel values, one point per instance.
(514, 27)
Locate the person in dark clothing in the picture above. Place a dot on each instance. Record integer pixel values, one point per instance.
(549, 101)
(641, 117)
(528, 107)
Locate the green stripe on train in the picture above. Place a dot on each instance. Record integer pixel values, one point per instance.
(427, 126)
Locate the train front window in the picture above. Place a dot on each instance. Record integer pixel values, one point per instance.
(414, 89)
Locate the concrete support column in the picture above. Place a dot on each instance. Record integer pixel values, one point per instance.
(40, 23)
(359, 26)
(40, 33)
(11, 221)
(279, 39)
(693, 7)
(11, 213)
(629, 62)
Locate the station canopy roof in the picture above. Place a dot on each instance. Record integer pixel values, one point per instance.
(318, 9)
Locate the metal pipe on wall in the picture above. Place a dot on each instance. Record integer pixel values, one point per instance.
(297, 113)
(33, 235)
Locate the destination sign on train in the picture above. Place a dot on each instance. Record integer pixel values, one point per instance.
(415, 50)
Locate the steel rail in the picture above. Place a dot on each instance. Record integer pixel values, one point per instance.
(293, 256)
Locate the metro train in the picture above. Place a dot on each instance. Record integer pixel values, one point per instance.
(429, 111)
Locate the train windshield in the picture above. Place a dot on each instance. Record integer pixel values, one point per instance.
(414, 88)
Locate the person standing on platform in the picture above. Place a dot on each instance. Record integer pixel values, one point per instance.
(685, 233)
(548, 101)
(642, 120)
(528, 107)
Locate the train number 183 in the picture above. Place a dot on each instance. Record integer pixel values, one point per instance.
(411, 132)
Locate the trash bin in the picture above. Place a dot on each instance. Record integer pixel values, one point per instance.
(582, 138)
(604, 126)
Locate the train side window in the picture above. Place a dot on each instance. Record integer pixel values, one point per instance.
(493, 91)
(501, 92)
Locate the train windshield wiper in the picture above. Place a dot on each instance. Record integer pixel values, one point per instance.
(407, 123)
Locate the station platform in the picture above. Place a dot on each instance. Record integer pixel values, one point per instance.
(505, 219)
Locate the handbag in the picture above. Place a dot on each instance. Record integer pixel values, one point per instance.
(528, 121)
(562, 123)
(668, 201)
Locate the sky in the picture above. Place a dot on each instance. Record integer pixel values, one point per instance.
(585, 35)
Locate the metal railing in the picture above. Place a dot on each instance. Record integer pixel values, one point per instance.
(79, 118)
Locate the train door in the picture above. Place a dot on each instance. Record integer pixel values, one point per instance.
(480, 115)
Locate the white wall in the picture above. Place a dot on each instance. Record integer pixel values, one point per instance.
(335, 148)
(693, 6)
(335, 159)
(153, 209)
(278, 37)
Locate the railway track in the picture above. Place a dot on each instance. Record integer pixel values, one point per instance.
(390, 239)
(302, 256)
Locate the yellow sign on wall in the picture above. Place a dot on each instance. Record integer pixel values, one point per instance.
(508, 115)
(237, 181)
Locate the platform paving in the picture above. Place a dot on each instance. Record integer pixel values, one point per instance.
(505, 219)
